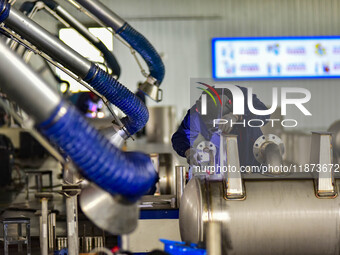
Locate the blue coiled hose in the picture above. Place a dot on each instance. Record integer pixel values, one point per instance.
(4, 10)
(130, 174)
(137, 114)
(145, 49)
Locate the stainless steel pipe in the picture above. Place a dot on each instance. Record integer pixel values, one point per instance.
(43, 227)
(36, 98)
(273, 155)
(180, 183)
(276, 217)
(108, 17)
(76, 24)
(47, 43)
(213, 239)
(72, 225)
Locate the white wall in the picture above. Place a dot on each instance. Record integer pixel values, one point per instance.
(182, 31)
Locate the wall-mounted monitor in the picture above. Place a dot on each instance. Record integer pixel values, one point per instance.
(276, 57)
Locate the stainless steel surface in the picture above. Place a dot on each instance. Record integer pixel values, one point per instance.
(230, 165)
(297, 146)
(277, 217)
(48, 43)
(151, 89)
(161, 124)
(118, 138)
(214, 238)
(125, 243)
(167, 173)
(107, 212)
(103, 13)
(158, 202)
(335, 130)
(321, 157)
(43, 227)
(72, 225)
(180, 183)
(24, 86)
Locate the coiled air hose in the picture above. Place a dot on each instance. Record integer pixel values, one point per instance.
(145, 49)
(137, 114)
(130, 174)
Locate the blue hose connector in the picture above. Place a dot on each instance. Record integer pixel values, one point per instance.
(145, 49)
(130, 174)
(137, 114)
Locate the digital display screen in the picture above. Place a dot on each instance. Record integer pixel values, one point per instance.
(276, 57)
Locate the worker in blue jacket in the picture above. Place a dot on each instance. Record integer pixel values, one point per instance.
(196, 123)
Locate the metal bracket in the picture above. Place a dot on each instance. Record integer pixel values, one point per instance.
(230, 168)
(322, 158)
(150, 88)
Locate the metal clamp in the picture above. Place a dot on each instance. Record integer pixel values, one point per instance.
(230, 167)
(150, 88)
(322, 157)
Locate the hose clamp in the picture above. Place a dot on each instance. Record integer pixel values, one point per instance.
(150, 88)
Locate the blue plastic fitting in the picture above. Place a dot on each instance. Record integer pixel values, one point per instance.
(182, 248)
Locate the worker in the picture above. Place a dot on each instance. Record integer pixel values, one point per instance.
(196, 124)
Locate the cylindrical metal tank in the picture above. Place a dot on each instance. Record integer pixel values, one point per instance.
(276, 217)
(161, 124)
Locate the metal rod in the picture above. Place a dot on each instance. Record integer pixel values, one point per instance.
(60, 11)
(180, 183)
(51, 232)
(43, 234)
(100, 11)
(48, 43)
(214, 238)
(72, 225)
(17, 77)
(273, 155)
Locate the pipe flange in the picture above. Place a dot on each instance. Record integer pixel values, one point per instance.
(262, 142)
(204, 148)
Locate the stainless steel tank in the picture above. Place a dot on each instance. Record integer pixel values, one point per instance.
(161, 124)
(276, 217)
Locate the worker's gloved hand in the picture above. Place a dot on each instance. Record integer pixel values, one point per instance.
(192, 156)
(227, 127)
